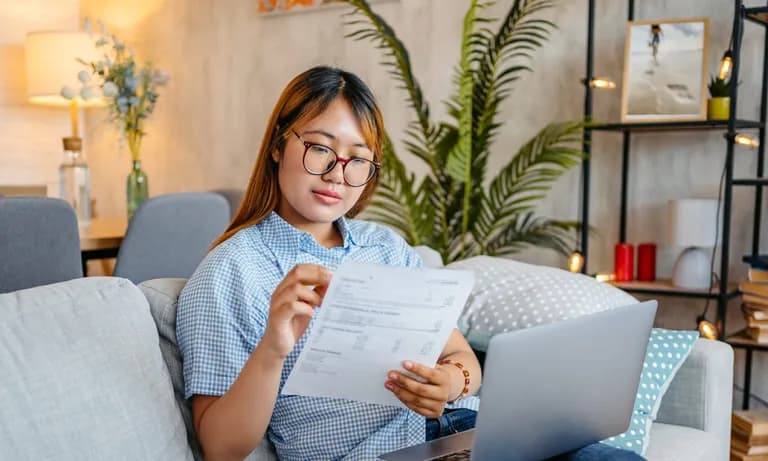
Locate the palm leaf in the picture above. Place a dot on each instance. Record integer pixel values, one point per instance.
(540, 162)
(526, 230)
(459, 162)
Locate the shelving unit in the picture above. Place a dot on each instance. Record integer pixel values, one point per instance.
(725, 290)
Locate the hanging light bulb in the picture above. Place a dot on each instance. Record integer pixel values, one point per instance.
(706, 328)
(726, 66)
(746, 140)
(575, 261)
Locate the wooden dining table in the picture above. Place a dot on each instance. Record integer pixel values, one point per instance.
(101, 239)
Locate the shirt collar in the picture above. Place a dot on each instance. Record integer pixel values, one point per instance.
(286, 241)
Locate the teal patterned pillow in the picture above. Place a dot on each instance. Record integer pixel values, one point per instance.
(666, 352)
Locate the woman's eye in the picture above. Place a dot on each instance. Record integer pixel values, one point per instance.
(319, 149)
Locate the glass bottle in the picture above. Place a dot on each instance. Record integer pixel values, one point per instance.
(136, 188)
(74, 180)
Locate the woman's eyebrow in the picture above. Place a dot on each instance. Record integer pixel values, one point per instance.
(333, 138)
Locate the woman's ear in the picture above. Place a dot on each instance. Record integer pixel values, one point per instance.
(275, 155)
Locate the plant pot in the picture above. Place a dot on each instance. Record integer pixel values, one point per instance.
(719, 108)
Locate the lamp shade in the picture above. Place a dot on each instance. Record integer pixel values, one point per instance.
(693, 222)
(52, 64)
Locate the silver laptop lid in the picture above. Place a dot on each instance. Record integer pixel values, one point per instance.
(557, 387)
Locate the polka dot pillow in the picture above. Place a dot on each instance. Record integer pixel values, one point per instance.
(666, 352)
(510, 295)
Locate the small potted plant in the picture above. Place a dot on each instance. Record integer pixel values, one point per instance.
(719, 103)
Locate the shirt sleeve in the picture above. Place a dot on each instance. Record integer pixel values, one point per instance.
(221, 316)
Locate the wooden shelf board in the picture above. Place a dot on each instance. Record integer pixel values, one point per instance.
(664, 287)
(742, 339)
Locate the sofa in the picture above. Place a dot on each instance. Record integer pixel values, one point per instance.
(91, 371)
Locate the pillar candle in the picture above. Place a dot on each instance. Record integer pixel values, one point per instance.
(623, 262)
(646, 262)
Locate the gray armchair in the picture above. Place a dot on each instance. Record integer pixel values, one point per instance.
(694, 421)
(39, 242)
(170, 234)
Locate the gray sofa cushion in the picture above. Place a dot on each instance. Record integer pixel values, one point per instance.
(82, 376)
(162, 295)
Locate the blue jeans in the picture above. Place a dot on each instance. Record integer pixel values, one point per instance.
(460, 419)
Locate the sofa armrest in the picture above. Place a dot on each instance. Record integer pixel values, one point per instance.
(700, 396)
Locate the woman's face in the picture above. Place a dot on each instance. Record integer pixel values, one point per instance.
(308, 199)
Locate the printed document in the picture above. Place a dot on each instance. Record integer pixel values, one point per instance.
(373, 318)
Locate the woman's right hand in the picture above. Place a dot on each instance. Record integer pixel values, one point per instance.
(292, 306)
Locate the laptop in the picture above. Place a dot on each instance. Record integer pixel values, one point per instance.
(551, 389)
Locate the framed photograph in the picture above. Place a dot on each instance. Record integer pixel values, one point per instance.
(665, 70)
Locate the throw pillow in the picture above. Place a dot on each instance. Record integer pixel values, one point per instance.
(665, 354)
(82, 375)
(510, 295)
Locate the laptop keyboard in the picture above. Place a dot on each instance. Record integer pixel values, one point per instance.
(462, 455)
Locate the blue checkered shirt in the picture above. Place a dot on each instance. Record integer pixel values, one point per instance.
(222, 315)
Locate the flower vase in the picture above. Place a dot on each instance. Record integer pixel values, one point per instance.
(136, 188)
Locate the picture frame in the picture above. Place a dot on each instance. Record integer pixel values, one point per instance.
(282, 7)
(665, 70)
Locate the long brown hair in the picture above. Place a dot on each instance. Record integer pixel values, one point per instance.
(303, 99)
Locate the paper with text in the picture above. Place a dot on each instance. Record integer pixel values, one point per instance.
(372, 318)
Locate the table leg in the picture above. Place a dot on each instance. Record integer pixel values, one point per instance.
(747, 380)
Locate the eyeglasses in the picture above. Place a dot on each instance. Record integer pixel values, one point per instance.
(319, 160)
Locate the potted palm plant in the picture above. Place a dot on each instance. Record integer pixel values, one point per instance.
(719, 103)
(458, 208)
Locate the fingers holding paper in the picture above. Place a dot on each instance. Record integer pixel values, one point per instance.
(293, 304)
(426, 398)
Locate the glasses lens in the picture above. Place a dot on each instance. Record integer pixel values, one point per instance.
(319, 159)
(358, 171)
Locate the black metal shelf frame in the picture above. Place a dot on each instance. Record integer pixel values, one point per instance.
(696, 125)
(758, 15)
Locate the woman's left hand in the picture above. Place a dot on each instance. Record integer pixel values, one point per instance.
(425, 398)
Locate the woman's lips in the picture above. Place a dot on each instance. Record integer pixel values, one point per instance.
(327, 197)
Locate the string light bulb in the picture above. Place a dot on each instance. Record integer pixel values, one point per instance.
(726, 65)
(746, 140)
(706, 328)
(601, 83)
(575, 261)
(605, 277)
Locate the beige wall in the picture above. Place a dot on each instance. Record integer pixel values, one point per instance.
(228, 65)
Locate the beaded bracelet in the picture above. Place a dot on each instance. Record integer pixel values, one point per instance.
(464, 372)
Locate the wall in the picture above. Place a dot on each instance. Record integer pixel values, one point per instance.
(30, 136)
(228, 65)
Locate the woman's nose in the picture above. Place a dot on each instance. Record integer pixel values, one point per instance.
(336, 175)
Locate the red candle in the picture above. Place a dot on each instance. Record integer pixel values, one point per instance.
(623, 262)
(646, 262)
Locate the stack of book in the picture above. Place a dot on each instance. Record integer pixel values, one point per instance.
(749, 435)
(754, 296)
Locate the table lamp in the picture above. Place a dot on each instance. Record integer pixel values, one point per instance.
(52, 64)
(693, 225)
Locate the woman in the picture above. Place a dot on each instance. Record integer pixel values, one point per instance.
(243, 316)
